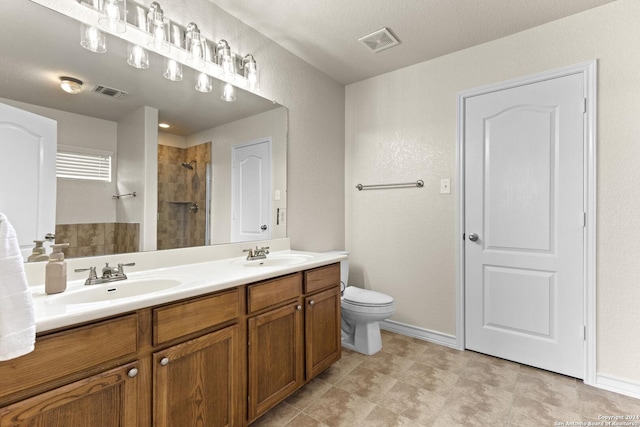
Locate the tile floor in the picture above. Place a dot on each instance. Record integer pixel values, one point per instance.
(416, 383)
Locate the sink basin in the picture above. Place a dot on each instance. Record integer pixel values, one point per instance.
(275, 260)
(114, 291)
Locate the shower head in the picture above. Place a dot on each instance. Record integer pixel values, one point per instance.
(188, 165)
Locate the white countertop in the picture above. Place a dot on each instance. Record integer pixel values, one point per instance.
(52, 312)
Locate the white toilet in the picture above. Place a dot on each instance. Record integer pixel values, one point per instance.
(362, 312)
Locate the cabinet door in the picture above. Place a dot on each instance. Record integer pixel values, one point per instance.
(322, 331)
(196, 383)
(106, 399)
(275, 357)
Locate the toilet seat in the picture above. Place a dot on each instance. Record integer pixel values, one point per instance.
(366, 298)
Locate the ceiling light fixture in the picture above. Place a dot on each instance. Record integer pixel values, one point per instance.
(163, 125)
(71, 85)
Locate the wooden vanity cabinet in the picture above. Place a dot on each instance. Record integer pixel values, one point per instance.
(106, 399)
(275, 342)
(323, 341)
(222, 359)
(198, 381)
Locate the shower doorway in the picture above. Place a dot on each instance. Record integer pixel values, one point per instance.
(184, 196)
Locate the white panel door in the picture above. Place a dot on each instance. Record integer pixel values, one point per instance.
(28, 174)
(524, 224)
(251, 187)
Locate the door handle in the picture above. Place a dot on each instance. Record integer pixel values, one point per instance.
(473, 237)
(264, 227)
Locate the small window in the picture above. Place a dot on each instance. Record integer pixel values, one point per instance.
(83, 163)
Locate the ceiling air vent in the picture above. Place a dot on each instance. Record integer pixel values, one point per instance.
(109, 91)
(379, 40)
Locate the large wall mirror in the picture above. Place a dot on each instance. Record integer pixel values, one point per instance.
(195, 183)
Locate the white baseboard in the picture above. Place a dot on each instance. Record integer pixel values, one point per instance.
(618, 386)
(420, 333)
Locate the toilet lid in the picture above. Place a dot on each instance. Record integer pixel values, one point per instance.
(361, 296)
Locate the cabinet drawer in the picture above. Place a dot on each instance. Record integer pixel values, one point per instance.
(273, 292)
(184, 318)
(321, 277)
(61, 354)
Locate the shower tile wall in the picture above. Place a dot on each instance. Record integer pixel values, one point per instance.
(178, 189)
(98, 238)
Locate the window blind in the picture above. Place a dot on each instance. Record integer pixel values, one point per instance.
(91, 165)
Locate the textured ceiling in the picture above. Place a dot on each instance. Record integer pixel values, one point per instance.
(325, 33)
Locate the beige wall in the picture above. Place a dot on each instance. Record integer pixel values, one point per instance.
(402, 126)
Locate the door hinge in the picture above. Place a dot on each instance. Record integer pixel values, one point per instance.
(584, 105)
(584, 333)
(463, 236)
(584, 219)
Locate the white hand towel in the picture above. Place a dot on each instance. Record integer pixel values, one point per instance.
(17, 321)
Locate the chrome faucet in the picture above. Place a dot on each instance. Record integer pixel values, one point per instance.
(109, 274)
(257, 253)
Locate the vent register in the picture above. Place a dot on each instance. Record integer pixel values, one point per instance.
(379, 40)
(109, 91)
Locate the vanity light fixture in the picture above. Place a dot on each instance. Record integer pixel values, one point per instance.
(137, 56)
(172, 70)
(114, 15)
(204, 83)
(195, 44)
(158, 28)
(92, 39)
(71, 85)
(228, 92)
(224, 58)
(250, 72)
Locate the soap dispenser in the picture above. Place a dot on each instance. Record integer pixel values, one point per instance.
(55, 280)
(39, 253)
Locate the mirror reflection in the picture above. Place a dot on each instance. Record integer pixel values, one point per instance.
(216, 175)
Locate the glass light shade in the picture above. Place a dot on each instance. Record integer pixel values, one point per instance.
(251, 74)
(158, 27)
(137, 57)
(204, 83)
(172, 70)
(114, 15)
(228, 92)
(225, 58)
(92, 39)
(195, 44)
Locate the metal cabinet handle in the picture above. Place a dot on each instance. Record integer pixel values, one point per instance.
(264, 227)
(312, 302)
(473, 237)
(164, 361)
(298, 307)
(132, 372)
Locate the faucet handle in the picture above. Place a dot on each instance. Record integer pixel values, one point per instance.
(91, 270)
(265, 249)
(120, 266)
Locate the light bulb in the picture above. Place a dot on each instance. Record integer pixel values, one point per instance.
(228, 92)
(172, 70)
(138, 57)
(204, 83)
